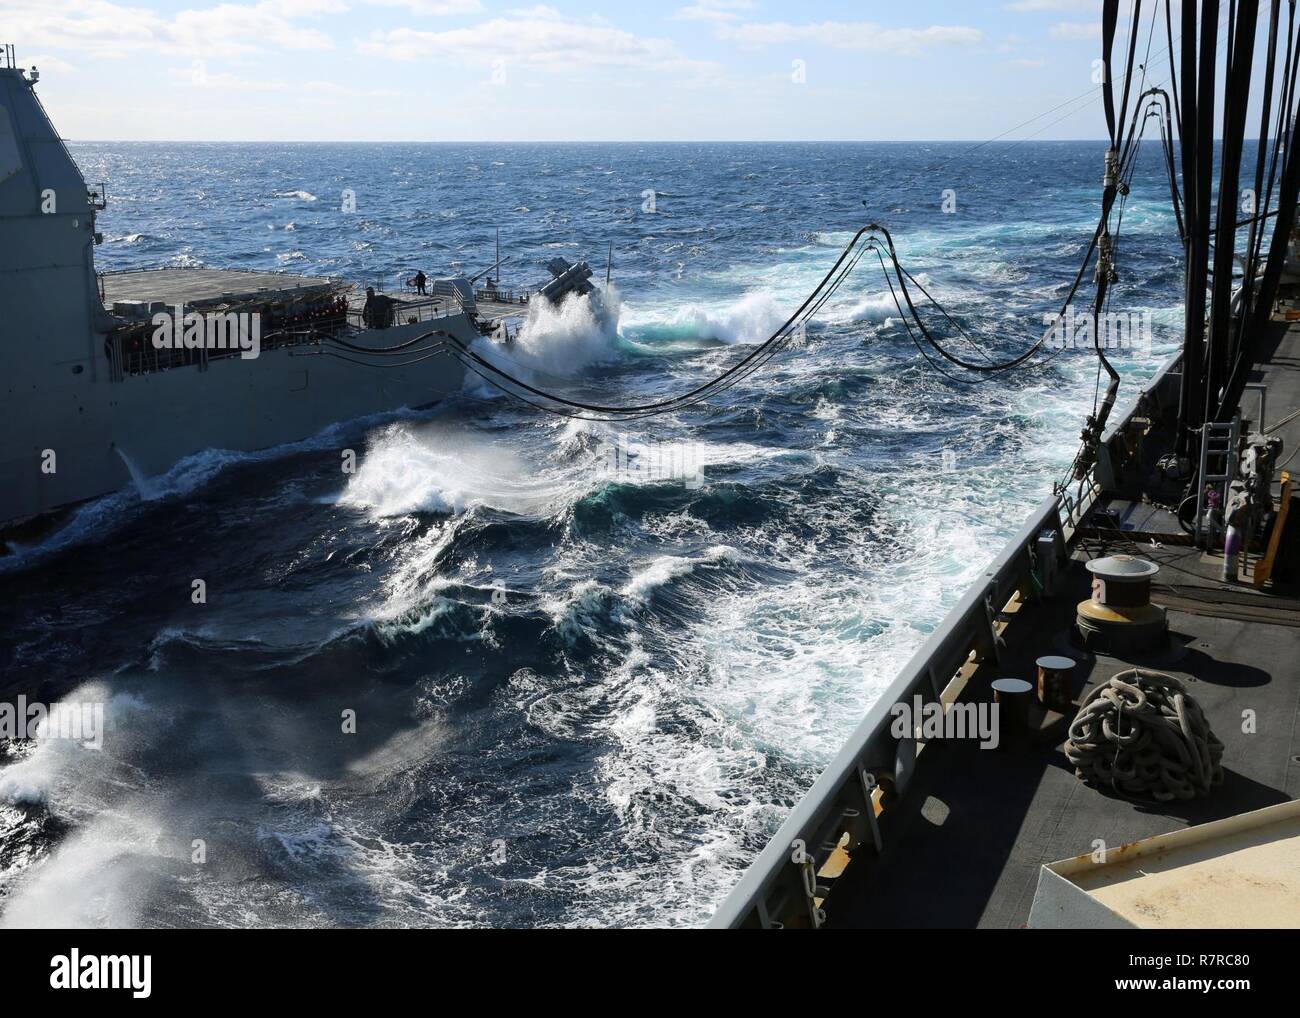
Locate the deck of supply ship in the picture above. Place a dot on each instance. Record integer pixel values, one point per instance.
(960, 835)
(970, 855)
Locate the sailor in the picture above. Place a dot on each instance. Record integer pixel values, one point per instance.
(420, 280)
(377, 311)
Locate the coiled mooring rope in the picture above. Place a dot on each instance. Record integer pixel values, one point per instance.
(1143, 735)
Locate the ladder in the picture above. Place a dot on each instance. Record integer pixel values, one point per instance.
(1217, 440)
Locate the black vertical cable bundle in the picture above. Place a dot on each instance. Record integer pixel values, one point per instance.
(1288, 194)
(1261, 152)
(1220, 340)
(1236, 84)
(1198, 171)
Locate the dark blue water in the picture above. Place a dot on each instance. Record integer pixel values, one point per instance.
(580, 699)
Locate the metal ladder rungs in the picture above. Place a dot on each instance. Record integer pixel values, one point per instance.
(1217, 439)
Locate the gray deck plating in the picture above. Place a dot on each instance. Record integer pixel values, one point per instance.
(970, 855)
(194, 285)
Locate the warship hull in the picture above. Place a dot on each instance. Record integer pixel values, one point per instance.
(85, 438)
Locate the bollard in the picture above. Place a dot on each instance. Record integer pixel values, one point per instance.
(1012, 697)
(1054, 686)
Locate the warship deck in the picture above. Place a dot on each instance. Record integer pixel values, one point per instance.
(970, 855)
(487, 310)
(199, 286)
(175, 286)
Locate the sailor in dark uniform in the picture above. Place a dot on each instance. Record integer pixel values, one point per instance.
(378, 311)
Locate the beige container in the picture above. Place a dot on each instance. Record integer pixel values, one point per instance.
(1242, 872)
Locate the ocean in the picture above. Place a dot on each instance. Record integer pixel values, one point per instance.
(582, 695)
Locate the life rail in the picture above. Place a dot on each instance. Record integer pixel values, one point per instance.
(409, 312)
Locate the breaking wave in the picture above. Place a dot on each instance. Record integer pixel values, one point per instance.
(749, 320)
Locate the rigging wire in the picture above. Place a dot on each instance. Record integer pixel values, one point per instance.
(502, 378)
(877, 239)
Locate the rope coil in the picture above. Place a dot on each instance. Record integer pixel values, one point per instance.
(1142, 734)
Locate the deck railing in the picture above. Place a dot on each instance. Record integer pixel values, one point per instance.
(783, 887)
(495, 295)
(408, 313)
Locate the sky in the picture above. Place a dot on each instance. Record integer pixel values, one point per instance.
(593, 70)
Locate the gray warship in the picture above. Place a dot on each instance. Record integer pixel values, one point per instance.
(103, 402)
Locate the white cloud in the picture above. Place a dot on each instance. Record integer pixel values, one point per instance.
(236, 28)
(714, 10)
(540, 11)
(306, 8)
(93, 26)
(541, 43)
(855, 35)
(433, 8)
(1074, 30)
(104, 29)
(1053, 5)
